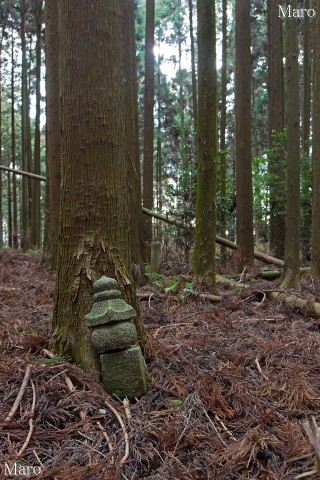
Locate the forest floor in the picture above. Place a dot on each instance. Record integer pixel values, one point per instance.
(232, 385)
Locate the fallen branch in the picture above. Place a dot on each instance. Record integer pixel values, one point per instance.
(222, 241)
(20, 394)
(294, 301)
(162, 296)
(31, 425)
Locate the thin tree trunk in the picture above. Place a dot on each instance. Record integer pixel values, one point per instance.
(52, 216)
(13, 148)
(290, 277)
(148, 126)
(25, 224)
(315, 233)
(276, 126)
(243, 135)
(193, 67)
(35, 233)
(223, 124)
(306, 160)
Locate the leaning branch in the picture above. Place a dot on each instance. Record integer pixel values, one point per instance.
(222, 241)
(21, 172)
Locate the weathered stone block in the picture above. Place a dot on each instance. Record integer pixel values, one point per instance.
(124, 373)
(114, 336)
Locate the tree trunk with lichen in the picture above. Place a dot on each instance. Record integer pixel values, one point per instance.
(205, 231)
(96, 211)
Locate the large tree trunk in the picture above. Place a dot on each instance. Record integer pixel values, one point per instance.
(95, 233)
(243, 135)
(276, 126)
(53, 135)
(315, 234)
(290, 276)
(148, 127)
(204, 246)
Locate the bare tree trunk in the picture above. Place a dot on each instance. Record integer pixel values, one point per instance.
(193, 67)
(96, 194)
(25, 224)
(204, 247)
(276, 126)
(315, 233)
(148, 127)
(243, 135)
(52, 216)
(223, 124)
(35, 233)
(13, 149)
(290, 276)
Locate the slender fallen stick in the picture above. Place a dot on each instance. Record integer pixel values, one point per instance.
(260, 369)
(106, 436)
(31, 426)
(125, 434)
(20, 394)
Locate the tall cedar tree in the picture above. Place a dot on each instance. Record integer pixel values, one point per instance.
(148, 128)
(35, 226)
(223, 125)
(13, 146)
(315, 235)
(290, 274)
(25, 223)
(276, 126)
(97, 185)
(50, 251)
(193, 66)
(205, 230)
(243, 135)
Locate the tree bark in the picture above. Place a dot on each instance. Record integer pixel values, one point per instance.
(223, 125)
(203, 261)
(25, 224)
(315, 233)
(290, 276)
(193, 67)
(243, 135)
(95, 199)
(52, 214)
(276, 126)
(148, 127)
(35, 230)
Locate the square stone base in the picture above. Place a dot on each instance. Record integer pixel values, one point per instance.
(124, 373)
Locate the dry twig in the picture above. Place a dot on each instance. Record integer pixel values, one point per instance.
(20, 394)
(31, 426)
(125, 434)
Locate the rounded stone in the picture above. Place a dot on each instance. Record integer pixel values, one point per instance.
(114, 336)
